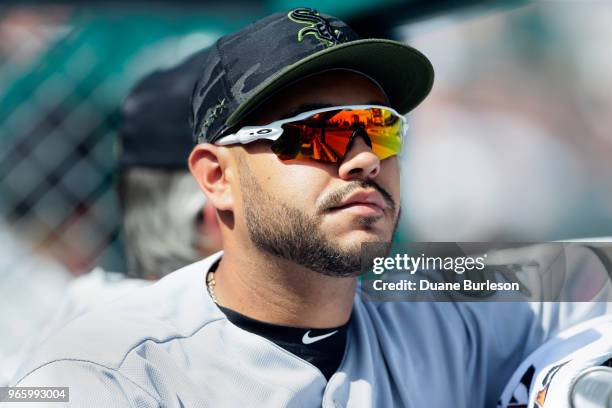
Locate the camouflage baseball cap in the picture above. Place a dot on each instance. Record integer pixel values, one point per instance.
(245, 68)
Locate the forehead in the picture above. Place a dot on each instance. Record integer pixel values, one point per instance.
(329, 88)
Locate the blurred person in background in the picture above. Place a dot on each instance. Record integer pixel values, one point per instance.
(165, 218)
(166, 221)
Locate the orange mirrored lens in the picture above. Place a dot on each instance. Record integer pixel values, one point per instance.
(325, 136)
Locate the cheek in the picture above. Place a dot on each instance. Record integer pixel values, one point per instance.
(389, 177)
(293, 183)
(297, 189)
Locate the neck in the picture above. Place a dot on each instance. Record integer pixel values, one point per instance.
(277, 291)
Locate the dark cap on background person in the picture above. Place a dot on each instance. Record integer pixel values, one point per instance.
(155, 131)
(245, 68)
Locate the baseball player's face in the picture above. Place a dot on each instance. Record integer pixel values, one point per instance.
(317, 214)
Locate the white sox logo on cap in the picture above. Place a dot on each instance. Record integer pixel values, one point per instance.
(317, 26)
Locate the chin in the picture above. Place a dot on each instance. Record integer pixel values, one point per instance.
(356, 238)
(348, 235)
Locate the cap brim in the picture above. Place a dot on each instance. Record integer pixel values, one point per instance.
(404, 73)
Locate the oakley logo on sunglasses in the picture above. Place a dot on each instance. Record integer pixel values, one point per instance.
(261, 132)
(327, 134)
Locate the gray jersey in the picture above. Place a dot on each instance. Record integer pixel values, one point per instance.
(169, 345)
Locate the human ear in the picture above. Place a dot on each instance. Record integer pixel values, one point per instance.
(210, 166)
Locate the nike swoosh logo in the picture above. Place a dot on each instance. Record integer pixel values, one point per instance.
(309, 340)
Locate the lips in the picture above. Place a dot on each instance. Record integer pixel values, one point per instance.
(369, 199)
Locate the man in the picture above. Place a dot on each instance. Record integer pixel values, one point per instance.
(299, 136)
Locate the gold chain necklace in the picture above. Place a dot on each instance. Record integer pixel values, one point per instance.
(210, 284)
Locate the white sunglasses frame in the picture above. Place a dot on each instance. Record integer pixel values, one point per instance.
(274, 130)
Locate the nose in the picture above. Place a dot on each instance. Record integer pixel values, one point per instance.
(359, 161)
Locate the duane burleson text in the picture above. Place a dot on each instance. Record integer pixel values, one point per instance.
(465, 285)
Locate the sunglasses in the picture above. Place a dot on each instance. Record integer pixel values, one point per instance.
(326, 135)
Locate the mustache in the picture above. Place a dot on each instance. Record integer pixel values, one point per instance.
(335, 198)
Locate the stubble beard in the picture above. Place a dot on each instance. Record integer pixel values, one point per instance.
(292, 235)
